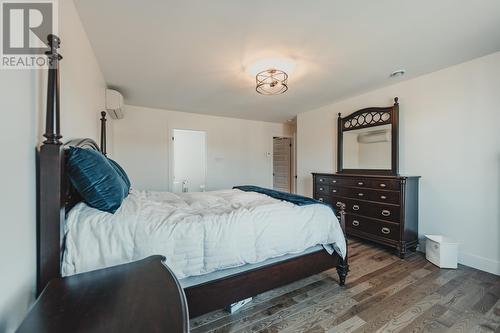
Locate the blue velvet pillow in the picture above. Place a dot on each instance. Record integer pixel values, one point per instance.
(121, 172)
(96, 179)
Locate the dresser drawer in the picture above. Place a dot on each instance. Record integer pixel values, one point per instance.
(372, 209)
(336, 190)
(324, 198)
(322, 189)
(369, 194)
(327, 180)
(356, 182)
(385, 184)
(379, 228)
(382, 184)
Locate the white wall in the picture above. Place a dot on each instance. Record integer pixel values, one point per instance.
(236, 148)
(450, 135)
(22, 100)
(82, 83)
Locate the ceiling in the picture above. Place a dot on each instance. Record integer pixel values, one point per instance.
(195, 56)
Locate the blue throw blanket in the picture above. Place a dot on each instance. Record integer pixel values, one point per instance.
(296, 199)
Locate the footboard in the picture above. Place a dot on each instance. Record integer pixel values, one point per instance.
(217, 294)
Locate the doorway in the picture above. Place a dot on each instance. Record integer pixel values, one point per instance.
(282, 164)
(189, 165)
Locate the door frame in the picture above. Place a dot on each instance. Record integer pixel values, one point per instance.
(170, 171)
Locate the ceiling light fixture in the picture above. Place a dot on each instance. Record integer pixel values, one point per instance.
(398, 73)
(271, 82)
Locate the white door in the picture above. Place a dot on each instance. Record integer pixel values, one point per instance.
(189, 160)
(282, 148)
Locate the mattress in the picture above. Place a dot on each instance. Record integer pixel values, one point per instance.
(198, 233)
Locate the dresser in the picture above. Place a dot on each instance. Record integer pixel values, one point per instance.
(382, 209)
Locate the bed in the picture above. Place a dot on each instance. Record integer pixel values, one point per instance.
(232, 246)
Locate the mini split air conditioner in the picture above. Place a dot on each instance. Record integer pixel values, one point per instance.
(114, 104)
(375, 136)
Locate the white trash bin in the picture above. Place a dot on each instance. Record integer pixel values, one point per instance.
(441, 251)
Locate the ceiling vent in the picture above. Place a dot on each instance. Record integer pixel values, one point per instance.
(114, 104)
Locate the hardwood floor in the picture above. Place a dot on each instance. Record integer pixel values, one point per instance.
(383, 294)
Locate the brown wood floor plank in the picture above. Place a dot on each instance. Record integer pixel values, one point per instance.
(267, 308)
(490, 322)
(260, 302)
(311, 318)
(307, 318)
(449, 317)
(260, 322)
(426, 321)
(383, 294)
(488, 300)
(466, 322)
(407, 317)
(347, 326)
(392, 280)
(370, 307)
(472, 292)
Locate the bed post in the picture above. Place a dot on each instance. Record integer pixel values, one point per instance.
(343, 266)
(50, 176)
(103, 132)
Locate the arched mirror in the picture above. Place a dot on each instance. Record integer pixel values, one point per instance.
(368, 141)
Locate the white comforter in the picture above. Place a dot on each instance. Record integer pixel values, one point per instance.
(198, 233)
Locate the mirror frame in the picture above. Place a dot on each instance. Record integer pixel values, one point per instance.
(357, 120)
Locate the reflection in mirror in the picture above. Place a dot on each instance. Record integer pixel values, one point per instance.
(368, 148)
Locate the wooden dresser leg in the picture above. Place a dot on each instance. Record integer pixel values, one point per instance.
(401, 251)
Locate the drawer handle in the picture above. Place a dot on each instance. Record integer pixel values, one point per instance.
(382, 185)
(355, 207)
(383, 197)
(361, 183)
(320, 199)
(321, 180)
(334, 191)
(360, 194)
(385, 230)
(385, 212)
(334, 181)
(339, 204)
(321, 189)
(355, 223)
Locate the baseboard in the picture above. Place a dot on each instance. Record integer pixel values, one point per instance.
(471, 260)
(483, 264)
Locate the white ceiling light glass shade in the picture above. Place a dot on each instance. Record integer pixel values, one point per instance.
(271, 82)
(261, 63)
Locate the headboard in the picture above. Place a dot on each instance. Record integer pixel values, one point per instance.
(55, 195)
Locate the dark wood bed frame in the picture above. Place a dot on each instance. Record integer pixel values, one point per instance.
(56, 197)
